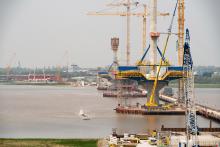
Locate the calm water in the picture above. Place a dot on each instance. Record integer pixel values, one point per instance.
(52, 112)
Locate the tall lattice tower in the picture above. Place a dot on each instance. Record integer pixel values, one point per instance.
(191, 120)
(181, 19)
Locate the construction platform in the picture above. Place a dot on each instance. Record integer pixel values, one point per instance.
(150, 111)
(134, 73)
(179, 109)
(128, 95)
(147, 80)
(210, 129)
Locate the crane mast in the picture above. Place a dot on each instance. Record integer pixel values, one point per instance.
(181, 19)
(128, 32)
(59, 69)
(128, 14)
(181, 28)
(128, 5)
(190, 112)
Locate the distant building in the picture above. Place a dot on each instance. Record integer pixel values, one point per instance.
(75, 68)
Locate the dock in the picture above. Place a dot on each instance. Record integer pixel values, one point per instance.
(128, 95)
(202, 110)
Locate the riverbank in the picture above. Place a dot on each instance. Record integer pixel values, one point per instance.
(35, 83)
(48, 142)
(207, 85)
(173, 85)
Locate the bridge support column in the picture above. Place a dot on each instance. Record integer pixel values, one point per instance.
(149, 86)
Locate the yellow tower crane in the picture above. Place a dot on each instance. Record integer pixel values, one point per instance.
(58, 72)
(181, 28)
(181, 19)
(127, 4)
(128, 14)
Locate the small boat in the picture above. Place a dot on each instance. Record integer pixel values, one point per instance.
(83, 115)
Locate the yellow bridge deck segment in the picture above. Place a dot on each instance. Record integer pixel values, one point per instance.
(168, 75)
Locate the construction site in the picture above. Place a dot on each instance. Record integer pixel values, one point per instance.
(151, 75)
(114, 73)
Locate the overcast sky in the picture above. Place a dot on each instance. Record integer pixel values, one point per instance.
(40, 32)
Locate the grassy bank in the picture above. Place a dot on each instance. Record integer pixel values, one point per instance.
(48, 142)
(207, 85)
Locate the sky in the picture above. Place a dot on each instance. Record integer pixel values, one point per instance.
(59, 32)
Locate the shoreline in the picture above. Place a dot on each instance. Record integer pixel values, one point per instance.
(198, 85)
(173, 85)
(42, 142)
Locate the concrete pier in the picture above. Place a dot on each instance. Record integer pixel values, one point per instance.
(149, 86)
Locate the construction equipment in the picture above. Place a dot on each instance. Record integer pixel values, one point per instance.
(8, 66)
(163, 138)
(142, 63)
(152, 102)
(58, 72)
(128, 5)
(181, 20)
(144, 14)
(191, 120)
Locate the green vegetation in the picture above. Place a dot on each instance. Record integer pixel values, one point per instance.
(48, 142)
(207, 85)
(207, 80)
(198, 85)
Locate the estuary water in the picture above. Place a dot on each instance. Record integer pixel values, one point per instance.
(52, 112)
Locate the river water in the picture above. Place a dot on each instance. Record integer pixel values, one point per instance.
(52, 112)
